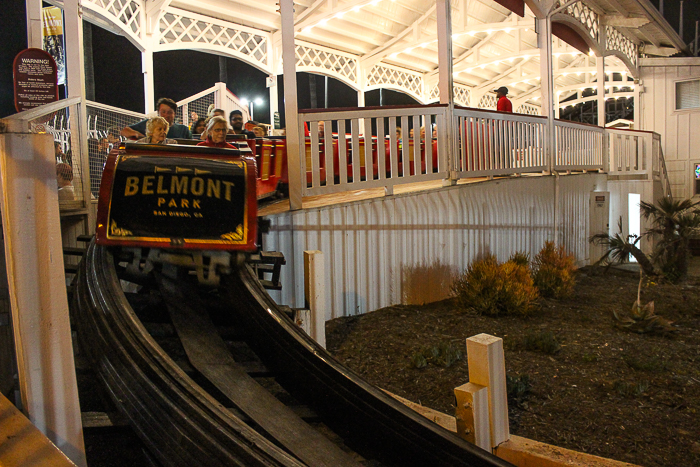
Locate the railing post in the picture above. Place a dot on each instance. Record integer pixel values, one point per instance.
(315, 294)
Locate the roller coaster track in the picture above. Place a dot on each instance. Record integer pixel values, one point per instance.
(202, 403)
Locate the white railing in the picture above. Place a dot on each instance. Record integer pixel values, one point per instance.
(637, 153)
(578, 146)
(62, 120)
(368, 151)
(198, 104)
(495, 143)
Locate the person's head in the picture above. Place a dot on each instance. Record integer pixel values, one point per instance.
(398, 132)
(156, 129)
(103, 144)
(166, 108)
(236, 120)
(410, 133)
(217, 129)
(501, 92)
(435, 131)
(259, 131)
(199, 126)
(64, 174)
(57, 149)
(321, 129)
(218, 113)
(422, 132)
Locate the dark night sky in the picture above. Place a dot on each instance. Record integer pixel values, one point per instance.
(179, 74)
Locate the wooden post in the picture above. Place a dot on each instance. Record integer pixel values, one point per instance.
(472, 415)
(315, 294)
(37, 289)
(487, 368)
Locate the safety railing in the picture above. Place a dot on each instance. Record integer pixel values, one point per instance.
(197, 106)
(371, 147)
(495, 143)
(62, 120)
(104, 125)
(578, 146)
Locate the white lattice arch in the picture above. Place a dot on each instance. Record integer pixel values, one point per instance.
(585, 17)
(328, 62)
(461, 94)
(528, 109)
(390, 77)
(120, 15)
(581, 29)
(621, 47)
(488, 101)
(182, 30)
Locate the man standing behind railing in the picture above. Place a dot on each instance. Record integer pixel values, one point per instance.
(504, 104)
(166, 109)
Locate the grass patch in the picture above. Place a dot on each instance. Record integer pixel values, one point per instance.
(444, 354)
(646, 364)
(543, 341)
(518, 389)
(631, 390)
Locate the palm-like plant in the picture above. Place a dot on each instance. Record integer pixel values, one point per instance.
(618, 249)
(673, 222)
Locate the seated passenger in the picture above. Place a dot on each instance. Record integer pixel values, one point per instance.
(236, 119)
(216, 134)
(64, 178)
(198, 126)
(259, 131)
(166, 108)
(156, 129)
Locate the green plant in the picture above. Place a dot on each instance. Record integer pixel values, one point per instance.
(554, 270)
(444, 354)
(642, 318)
(543, 341)
(673, 223)
(520, 258)
(589, 358)
(518, 389)
(652, 364)
(490, 288)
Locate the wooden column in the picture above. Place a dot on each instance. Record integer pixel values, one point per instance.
(37, 289)
(446, 87)
(35, 38)
(487, 368)
(544, 43)
(315, 294)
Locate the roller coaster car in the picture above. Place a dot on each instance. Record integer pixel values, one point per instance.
(178, 197)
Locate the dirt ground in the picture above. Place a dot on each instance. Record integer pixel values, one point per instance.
(608, 392)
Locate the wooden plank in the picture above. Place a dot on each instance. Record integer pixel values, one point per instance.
(472, 414)
(208, 354)
(487, 368)
(22, 444)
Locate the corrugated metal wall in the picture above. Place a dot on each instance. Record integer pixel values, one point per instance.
(407, 248)
(680, 137)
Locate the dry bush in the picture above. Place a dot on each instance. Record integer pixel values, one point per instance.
(553, 271)
(490, 288)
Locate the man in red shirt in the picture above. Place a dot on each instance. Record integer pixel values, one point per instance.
(504, 104)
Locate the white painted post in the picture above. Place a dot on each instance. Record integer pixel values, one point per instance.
(35, 37)
(291, 107)
(544, 44)
(274, 101)
(487, 368)
(315, 294)
(446, 86)
(600, 88)
(472, 415)
(39, 304)
(149, 98)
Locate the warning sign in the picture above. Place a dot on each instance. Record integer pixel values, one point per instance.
(35, 77)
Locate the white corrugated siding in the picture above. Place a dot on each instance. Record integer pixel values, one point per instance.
(378, 251)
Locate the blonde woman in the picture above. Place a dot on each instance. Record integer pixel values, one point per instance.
(156, 129)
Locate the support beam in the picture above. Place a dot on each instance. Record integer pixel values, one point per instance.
(446, 85)
(149, 97)
(37, 288)
(34, 25)
(544, 43)
(315, 295)
(291, 106)
(600, 89)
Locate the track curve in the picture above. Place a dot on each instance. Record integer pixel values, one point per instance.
(184, 425)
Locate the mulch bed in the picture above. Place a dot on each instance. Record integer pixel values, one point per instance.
(608, 392)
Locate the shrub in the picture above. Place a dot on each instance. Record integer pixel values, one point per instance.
(554, 270)
(518, 389)
(490, 288)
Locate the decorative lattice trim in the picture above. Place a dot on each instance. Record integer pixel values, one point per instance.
(124, 12)
(462, 95)
(182, 27)
(314, 58)
(488, 101)
(584, 15)
(382, 75)
(617, 41)
(528, 109)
